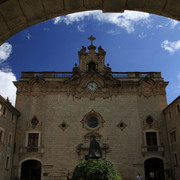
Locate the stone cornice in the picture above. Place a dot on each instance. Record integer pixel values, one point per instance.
(76, 86)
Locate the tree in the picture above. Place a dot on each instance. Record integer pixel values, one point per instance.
(95, 170)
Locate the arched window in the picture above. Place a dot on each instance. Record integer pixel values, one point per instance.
(92, 66)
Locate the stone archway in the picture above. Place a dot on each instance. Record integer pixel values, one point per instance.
(154, 166)
(17, 15)
(31, 170)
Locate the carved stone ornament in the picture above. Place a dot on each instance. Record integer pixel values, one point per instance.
(34, 121)
(83, 148)
(63, 125)
(147, 87)
(121, 125)
(37, 86)
(92, 121)
(78, 86)
(88, 135)
(34, 124)
(150, 123)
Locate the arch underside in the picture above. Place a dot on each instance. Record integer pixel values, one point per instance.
(17, 15)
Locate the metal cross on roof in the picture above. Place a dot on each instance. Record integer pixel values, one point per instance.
(91, 38)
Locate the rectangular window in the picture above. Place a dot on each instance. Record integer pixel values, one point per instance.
(178, 108)
(151, 141)
(33, 140)
(7, 162)
(4, 111)
(173, 137)
(10, 139)
(12, 117)
(175, 160)
(1, 135)
(170, 115)
(1, 109)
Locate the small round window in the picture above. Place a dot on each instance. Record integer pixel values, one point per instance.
(92, 122)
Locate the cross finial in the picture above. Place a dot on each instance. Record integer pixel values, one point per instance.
(91, 38)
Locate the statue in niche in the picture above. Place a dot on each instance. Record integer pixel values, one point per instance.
(94, 149)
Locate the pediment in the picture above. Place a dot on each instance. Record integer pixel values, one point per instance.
(92, 77)
(34, 124)
(147, 87)
(78, 84)
(101, 80)
(36, 80)
(146, 82)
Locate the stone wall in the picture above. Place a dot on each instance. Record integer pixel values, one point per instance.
(58, 146)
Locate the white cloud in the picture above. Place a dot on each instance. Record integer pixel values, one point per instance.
(71, 18)
(171, 46)
(124, 20)
(159, 26)
(5, 51)
(173, 23)
(28, 36)
(80, 28)
(113, 31)
(46, 29)
(178, 76)
(142, 35)
(7, 88)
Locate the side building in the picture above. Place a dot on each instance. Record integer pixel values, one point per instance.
(60, 111)
(8, 120)
(172, 121)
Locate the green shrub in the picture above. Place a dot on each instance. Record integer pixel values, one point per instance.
(95, 170)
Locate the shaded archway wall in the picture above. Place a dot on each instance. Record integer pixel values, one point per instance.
(16, 15)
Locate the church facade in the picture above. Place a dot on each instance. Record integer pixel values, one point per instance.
(60, 111)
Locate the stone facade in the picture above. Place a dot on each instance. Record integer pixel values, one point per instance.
(60, 111)
(8, 120)
(172, 119)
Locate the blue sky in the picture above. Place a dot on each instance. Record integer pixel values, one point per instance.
(133, 41)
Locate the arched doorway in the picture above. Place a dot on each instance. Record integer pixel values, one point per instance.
(31, 170)
(156, 167)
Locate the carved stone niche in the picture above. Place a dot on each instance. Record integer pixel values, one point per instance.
(92, 121)
(150, 123)
(37, 86)
(147, 87)
(34, 123)
(88, 135)
(83, 148)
